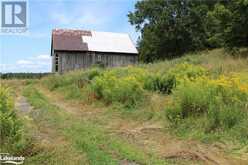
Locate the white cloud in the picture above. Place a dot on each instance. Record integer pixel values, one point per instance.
(44, 57)
(39, 63)
(24, 62)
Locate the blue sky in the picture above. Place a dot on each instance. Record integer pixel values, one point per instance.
(31, 52)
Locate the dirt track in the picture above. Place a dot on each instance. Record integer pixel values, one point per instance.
(47, 139)
(152, 136)
(149, 136)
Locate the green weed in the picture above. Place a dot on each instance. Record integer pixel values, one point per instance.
(87, 137)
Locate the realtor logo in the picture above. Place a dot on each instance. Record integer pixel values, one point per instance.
(13, 16)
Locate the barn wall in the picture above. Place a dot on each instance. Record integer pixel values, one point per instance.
(53, 63)
(75, 60)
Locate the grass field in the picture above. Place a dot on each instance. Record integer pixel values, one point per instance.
(190, 110)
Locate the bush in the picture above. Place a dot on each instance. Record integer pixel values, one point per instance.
(137, 73)
(166, 82)
(223, 102)
(119, 85)
(163, 83)
(10, 127)
(88, 76)
(53, 82)
(187, 71)
(93, 73)
(77, 78)
(193, 100)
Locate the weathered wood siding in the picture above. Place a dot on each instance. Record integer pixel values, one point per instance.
(53, 64)
(76, 60)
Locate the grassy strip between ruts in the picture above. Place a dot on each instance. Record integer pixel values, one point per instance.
(87, 137)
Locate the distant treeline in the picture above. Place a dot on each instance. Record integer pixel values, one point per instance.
(22, 75)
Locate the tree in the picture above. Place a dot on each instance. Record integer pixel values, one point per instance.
(216, 23)
(228, 24)
(236, 33)
(170, 28)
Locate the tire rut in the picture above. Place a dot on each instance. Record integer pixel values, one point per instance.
(151, 136)
(47, 139)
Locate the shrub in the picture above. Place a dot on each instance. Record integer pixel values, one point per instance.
(77, 78)
(10, 126)
(187, 71)
(163, 83)
(52, 82)
(223, 102)
(193, 100)
(88, 76)
(93, 73)
(138, 73)
(119, 85)
(123, 85)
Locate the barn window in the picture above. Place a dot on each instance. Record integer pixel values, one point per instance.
(99, 61)
(56, 63)
(99, 58)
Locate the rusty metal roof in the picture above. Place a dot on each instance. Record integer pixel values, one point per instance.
(70, 40)
(83, 40)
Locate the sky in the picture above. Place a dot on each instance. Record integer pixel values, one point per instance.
(31, 52)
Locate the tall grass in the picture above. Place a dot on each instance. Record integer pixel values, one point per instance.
(193, 82)
(11, 135)
(217, 60)
(219, 105)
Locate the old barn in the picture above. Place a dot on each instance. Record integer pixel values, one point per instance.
(76, 49)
